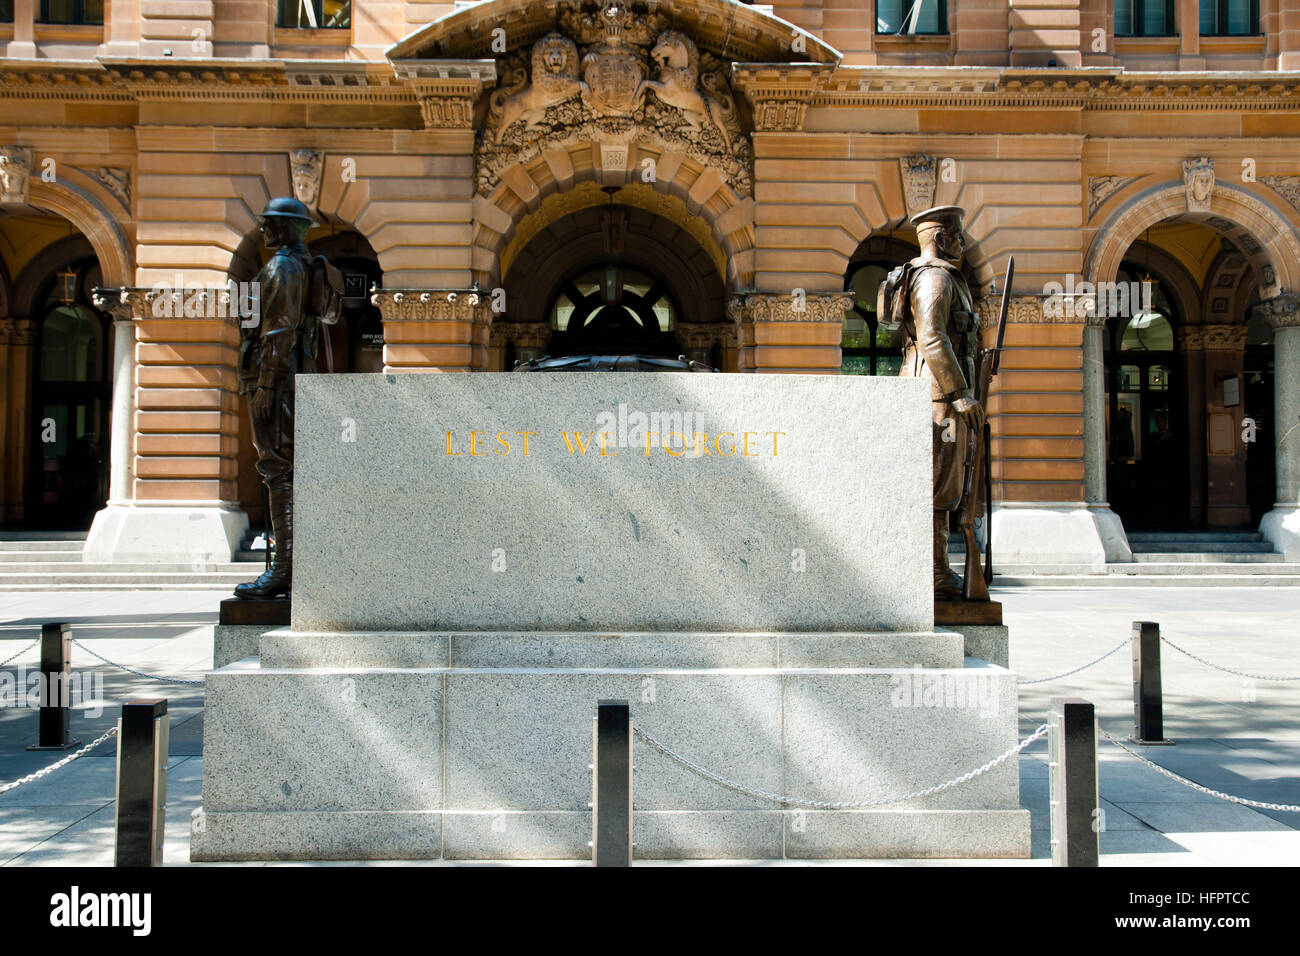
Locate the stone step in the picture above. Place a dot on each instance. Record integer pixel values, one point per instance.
(26, 557)
(1145, 537)
(26, 547)
(1202, 547)
(1148, 580)
(42, 536)
(117, 579)
(81, 567)
(1179, 565)
(1184, 557)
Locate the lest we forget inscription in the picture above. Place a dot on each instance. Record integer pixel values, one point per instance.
(612, 502)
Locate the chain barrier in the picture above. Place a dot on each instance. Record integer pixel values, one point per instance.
(827, 804)
(1043, 680)
(19, 654)
(1285, 808)
(132, 670)
(1226, 670)
(111, 732)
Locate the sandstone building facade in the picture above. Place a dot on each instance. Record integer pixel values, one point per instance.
(503, 179)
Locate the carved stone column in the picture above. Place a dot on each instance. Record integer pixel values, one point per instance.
(122, 435)
(176, 421)
(434, 330)
(18, 364)
(783, 332)
(1191, 347)
(1282, 524)
(7, 454)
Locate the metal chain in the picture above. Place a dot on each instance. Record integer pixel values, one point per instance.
(1196, 786)
(827, 804)
(132, 670)
(111, 732)
(20, 653)
(1226, 670)
(1043, 680)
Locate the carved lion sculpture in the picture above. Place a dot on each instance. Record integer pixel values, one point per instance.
(555, 79)
(678, 60)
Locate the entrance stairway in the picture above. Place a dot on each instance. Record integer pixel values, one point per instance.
(1166, 559)
(51, 561)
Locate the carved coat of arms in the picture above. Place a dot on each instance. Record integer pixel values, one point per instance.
(640, 82)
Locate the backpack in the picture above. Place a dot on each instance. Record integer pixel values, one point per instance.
(324, 292)
(893, 302)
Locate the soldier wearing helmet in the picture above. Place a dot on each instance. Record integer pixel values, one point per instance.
(940, 332)
(271, 354)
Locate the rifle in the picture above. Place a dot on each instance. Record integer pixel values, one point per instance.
(975, 586)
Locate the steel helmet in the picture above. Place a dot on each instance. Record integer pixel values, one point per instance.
(286, 207)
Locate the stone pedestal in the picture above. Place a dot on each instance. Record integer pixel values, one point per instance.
(765, 608)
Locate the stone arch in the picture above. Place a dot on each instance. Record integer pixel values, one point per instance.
(1267, 237)
(104, 233)
(576, 241)
(42, 266)
(681, 186)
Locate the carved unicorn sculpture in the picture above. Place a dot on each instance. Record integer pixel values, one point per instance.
(678, 60)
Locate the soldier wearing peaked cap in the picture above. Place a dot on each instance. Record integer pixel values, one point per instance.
(941, 336)
(295, 292)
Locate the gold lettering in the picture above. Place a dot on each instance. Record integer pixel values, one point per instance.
(579, 441)
(719, 451)
(473, 444)
(603, 453)
(648, 436)
(774, 435)
(668, 437)
(702, 441)
(453, 454)
(527, 435)
(501, 440)
(748, 453)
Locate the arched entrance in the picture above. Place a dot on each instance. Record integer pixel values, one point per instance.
(58, 395)
(1146, 413)
(613, 279)
(1173, 305)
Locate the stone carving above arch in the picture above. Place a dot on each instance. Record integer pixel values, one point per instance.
(618, 79)
(1198, 180)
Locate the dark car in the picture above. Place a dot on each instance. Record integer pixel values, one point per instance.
(612, 363)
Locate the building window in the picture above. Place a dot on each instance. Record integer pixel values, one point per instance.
(1229, 18)
(314, 14)
(866, 348)
(908, 17)
(6, 11)
(72, 12)
(1144, 18)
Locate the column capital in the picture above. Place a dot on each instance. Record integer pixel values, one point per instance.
(24, 332)
(1281, 311)
(6, 330)
(788, 307)
(432, 305)
(1224, 338)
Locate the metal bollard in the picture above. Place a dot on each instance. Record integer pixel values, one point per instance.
(611, 776)
(142, 734)
(56, 673)
(1148, 706)
(1075, 803)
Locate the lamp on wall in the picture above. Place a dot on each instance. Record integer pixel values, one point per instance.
(1144, 314)
(68, 277)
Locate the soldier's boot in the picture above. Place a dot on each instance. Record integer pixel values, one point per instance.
(278, 578)
(947, 585)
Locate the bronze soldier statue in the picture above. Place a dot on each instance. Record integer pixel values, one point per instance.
(941, 339)
(295, 292)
